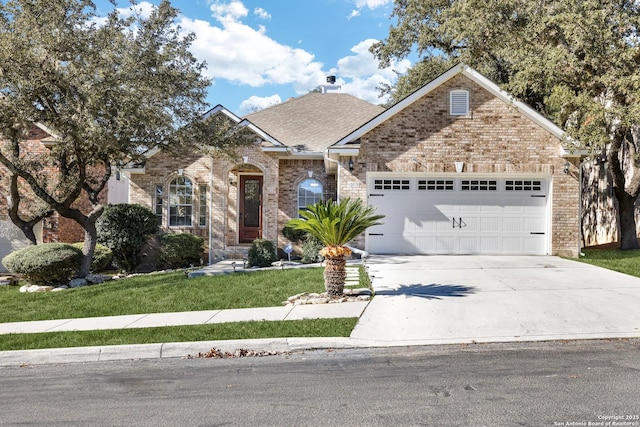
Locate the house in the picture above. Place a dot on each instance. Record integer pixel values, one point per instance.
(458, 167)
(39, 140)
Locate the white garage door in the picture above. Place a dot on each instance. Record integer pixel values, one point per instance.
(459, 215)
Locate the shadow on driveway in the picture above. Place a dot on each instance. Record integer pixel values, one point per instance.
(432, 291)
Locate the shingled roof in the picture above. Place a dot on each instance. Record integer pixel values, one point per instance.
(314, 121)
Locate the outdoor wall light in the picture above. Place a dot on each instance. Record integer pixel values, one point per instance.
(567, 165)
(350, 164)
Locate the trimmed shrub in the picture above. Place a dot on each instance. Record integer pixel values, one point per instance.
(180, 250)
(293, 234)
(102, 256)
(45, 264)
(311, 250)
(262, 253)
(125, 229)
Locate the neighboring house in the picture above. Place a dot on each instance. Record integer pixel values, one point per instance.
(11, 237)
(458, 167)
(52, 229)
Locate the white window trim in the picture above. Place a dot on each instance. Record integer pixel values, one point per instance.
(178, 205)
(459, 102)
(298, 191)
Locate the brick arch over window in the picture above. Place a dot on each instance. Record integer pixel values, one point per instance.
(310, 191)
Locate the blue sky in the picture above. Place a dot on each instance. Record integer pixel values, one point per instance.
(262, 52)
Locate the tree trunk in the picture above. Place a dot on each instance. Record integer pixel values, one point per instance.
(626, 208)
(90, 240)
(335, 275)
(626, 188)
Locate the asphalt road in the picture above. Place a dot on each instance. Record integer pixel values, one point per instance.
(532, 384)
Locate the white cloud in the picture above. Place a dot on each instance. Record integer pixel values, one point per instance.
(353, 14)
(255, 103)
(232, 11)
(143, 9)
(261, 13)
(245, 55)
(360, 76)
(371, 4)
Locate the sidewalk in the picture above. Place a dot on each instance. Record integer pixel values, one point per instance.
(82, 354)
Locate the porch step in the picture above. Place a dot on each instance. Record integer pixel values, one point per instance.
(232, 252)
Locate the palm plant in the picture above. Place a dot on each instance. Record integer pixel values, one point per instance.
(335, 224)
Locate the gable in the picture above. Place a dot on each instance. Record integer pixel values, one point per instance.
(479, 81)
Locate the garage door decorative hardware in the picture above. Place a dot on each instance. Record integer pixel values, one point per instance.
(460, 223)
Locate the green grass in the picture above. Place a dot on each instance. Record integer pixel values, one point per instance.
(222, 331)
(169, 292)
(161, 293)
(627, 262)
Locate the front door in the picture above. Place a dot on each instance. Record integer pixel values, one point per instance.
(250, 218)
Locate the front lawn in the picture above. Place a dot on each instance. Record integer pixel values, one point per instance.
(627, 262)
(161, 293)
(219, 331)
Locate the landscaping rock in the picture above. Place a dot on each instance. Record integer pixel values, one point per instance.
(35, 288)
(95, 279)
(351, 295)
(8, 281)
(78, 283)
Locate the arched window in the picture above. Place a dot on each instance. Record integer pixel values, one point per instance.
(309, 192)
(180, 202)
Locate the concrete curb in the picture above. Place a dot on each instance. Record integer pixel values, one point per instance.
(185, 349)
(164, 350)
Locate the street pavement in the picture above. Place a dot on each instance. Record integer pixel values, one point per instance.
(419, 300)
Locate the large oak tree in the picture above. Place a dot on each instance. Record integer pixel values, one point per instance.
(107, 88)
(576, 61)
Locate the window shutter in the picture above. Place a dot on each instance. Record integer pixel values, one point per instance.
(459, 103)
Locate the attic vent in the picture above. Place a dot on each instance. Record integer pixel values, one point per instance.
(459, 102)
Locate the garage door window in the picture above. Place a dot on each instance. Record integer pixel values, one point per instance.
(391, 184)
(521, 185)
(479, 185)
(435, 184)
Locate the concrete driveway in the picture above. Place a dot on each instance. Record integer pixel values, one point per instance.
(464, 299)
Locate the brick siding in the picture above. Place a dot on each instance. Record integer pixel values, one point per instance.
(492, 139)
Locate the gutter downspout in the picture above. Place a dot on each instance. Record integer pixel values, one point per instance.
(211, 212)
(326, 156)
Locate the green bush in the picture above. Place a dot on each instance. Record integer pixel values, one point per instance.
(45, 264)
(293, 234)
(102, 256)
(311, 250)
(261, 253)
(180, 250)
(125, 229)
